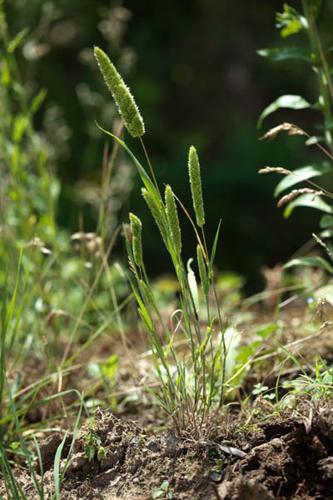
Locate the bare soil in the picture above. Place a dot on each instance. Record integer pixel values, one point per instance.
(289, 456)
(254, 451)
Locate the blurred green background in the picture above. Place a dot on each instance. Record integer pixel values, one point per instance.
(197, 78)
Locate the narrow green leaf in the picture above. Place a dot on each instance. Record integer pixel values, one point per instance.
(308, 200)
(310, 262)
(285, 53)
(56, 468)
(142, 172)
(17, 40)
(201, 349)
(38, 101)
(212, 256)
(202, 270)
(300, 175)
(146, 293)
(289, 101)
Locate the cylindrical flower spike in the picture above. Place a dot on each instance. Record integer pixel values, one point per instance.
(136, 229)
(196, 189)
(121, 94)
(156, 213)
(173, 221)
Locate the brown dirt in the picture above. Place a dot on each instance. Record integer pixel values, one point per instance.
(287, 456)
(290, 457)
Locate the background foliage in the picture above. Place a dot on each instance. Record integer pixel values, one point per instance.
(196, 75)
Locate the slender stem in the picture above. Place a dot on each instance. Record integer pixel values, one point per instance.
(325, 85)
(150, 165)
(108, 165)
(202, 245)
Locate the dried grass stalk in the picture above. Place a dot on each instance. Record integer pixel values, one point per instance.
(296, 192)
(290, 128)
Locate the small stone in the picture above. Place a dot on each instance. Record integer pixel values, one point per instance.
(153, 445)
(215, 476)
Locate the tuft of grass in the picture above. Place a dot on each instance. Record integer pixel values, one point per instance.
(192, 382)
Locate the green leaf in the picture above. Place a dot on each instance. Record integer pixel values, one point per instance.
(17, 40)
(326, 221)
(290, 21)
(38, 101)
(289, 101)
(285, 53)
(308, 200)
(109, 367)
(56, 467)
(310, 262)
(300, 175)
(328, 233)
(212, 256)
(266, 331)
(291, 29)
(142, 172)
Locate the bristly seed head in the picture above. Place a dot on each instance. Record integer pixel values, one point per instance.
(136, 230)
(156, 212)
(196, 188)
(296, 192)
(121, 94)
(275, 170)
(173, 221)
(290, 128)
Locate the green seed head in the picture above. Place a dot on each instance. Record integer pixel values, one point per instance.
(196, 189)
(173, 221)
(136, 230)
(121, 94)
(156, 212)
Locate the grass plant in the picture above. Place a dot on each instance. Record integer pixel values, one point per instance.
(192, 381)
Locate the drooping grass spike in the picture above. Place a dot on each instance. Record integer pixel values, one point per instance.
(121, 94)
(196, 188)
(173, 221)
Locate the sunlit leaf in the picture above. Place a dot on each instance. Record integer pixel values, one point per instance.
(290, 21)
(38, 101)
(17, 40)
(109, 367)
(326, 221)
(300, 175)
(284, 53)
(310, 262)
(289, 101)
(310, 201)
